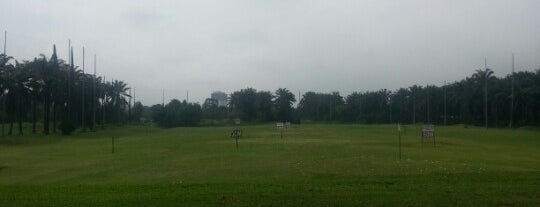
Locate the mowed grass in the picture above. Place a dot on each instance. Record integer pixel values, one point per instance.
(312, 165)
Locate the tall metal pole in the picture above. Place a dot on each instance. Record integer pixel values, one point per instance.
(445, 103)
(82, 103)
(485, 93)
(5, 111)
(299, 99)
(103, 106)
(94, 98)
(70, 81)
(129, 106)
(428, 121)
(68, 71)
(414, 105)
(163, 98)
(512, 102)
(3, 92)
(5, 42)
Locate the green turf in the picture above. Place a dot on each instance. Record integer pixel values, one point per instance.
(313, 165)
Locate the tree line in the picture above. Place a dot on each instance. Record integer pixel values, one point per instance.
(247, 104)
(464, 101)
(481, 99)
(54, 95)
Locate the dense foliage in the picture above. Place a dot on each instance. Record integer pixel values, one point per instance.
(464, 102)
(252, 105)
(51, 91)
(458, 102)
(177, 113)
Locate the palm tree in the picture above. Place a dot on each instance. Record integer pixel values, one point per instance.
(5, 68)
(118, 92)
(414, 90)
(54, 78)
(44, 73)
(484, 76)
(59, 91)
(283, 103)
(17, 94)
(42, 85)
(35, 88)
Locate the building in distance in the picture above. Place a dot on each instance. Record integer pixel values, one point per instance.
(221, 98)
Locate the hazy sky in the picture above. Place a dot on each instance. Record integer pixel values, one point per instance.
(323, 46)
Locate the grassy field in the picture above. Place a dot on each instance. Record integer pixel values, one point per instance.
(313, 165)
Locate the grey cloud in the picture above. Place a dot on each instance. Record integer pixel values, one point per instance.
(141, 17)
(346, 45)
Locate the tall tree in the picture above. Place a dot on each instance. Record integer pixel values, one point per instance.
(483, 77)
(243, 104)
(5, 69)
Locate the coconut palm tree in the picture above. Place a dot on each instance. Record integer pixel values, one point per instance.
(483, 77)
(35, 88)
(283, 103)
(17, 84)
(118, 92)
(5, 68)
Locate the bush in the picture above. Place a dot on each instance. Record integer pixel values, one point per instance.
(177, 113)
(66, 127)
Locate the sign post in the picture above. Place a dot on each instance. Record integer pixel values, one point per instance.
(236, 133)
(280, 126)
(428, 132)
(236, 138)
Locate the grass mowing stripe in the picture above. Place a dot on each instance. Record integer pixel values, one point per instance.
(336, 165)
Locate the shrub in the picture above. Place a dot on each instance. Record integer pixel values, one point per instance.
(66, 127)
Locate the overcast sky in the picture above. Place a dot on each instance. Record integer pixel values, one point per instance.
(310, 45)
